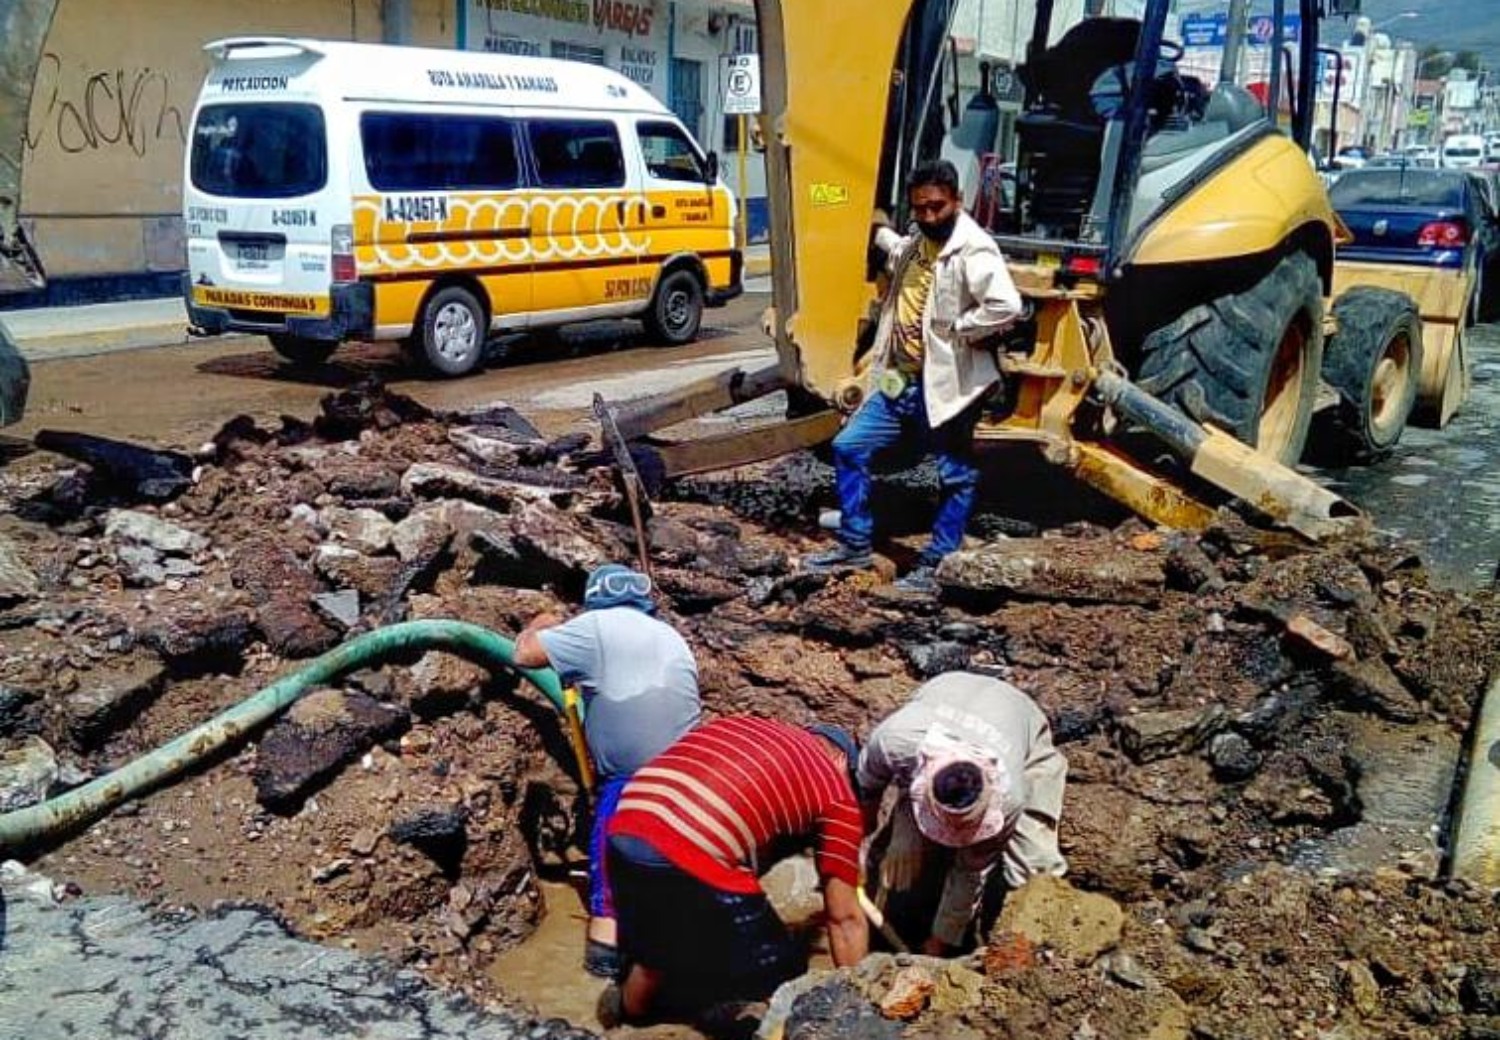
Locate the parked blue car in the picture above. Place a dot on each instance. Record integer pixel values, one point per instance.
(1430, 218)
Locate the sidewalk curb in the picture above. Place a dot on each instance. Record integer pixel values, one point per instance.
(757, 266)
(104, 341)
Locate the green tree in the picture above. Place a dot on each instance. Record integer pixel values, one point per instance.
(1466, 60)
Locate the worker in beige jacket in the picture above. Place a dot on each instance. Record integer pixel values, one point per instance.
(934, 361)
(979, 785)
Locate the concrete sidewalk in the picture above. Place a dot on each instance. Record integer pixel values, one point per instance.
(53, 333)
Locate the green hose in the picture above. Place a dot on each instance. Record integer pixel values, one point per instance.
(26, 827)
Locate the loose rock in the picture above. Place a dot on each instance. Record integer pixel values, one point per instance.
(129, 525)
(1150, 736)
(27, 773)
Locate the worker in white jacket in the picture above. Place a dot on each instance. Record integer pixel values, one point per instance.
(950, 293)
(979, 784)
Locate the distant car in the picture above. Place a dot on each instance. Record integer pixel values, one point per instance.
(1351, 158)
(1462, 151)
(15, 380)
(1430, 218)
(1398, 162)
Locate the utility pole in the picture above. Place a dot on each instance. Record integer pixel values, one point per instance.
(1234, 41)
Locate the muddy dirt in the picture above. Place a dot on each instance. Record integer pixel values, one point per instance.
(1214, 695)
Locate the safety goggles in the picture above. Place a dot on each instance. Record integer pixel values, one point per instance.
(616, 584)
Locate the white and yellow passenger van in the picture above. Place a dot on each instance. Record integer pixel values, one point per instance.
(340, 191)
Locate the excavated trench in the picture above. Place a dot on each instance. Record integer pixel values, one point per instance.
(1261, 736)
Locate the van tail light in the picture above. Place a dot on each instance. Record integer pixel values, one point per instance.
(1443, 234)
(342, 242)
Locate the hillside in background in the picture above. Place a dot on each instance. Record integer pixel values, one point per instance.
(1448, 24)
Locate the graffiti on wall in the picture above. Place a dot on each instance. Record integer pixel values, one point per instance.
(89, 110)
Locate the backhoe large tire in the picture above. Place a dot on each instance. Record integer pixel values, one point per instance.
(1247, 362)
(1374, 361)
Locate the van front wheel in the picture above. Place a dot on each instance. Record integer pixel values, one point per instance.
(676, 310)
(302, 351)
(453, 331)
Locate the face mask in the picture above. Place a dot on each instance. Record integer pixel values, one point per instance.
(939, 230)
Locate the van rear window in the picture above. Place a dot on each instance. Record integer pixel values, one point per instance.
(415, 151)
(259, 151)
(576, 153)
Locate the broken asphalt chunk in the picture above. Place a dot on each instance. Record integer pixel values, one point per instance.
(107, 697)
(127, 470)
(318, 735)
(1093, 570)
(195, 642)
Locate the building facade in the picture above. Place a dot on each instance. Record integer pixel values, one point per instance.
(676, 49)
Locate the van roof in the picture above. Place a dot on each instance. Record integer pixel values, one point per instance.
(262, 67)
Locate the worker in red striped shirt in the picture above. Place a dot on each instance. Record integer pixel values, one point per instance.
(695, 828)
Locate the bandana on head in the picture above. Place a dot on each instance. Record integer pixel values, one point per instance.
(960, 793)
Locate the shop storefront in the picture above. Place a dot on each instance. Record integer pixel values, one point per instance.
(673, 48)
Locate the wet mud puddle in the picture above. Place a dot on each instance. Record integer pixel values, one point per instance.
(545, 973)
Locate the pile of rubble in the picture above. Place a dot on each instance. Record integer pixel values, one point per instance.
(1240, 715)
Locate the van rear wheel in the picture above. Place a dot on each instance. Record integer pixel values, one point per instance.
(676, 311)
(300, 350)
(453, 331)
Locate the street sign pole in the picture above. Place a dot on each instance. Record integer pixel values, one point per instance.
(742, 100)
(741, 178)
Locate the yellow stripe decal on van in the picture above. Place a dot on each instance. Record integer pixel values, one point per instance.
(241, 299)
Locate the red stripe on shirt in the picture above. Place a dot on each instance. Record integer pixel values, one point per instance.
(696, 802)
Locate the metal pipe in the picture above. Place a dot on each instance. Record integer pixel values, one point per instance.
(1277, 491)
(33, 824)
(1476, 843)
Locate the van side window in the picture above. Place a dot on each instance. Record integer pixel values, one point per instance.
(576, 153)
(417, 151)
(669, 152)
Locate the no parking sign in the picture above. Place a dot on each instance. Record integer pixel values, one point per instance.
(741, 84)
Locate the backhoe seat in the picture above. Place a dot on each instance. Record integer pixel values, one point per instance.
(1061, 134)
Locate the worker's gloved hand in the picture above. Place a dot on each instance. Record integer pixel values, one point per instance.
(902, 864)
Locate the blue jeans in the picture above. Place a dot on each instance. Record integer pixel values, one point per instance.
(606, 800)
(883, 422)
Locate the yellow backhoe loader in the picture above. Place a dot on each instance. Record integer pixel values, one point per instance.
(1166, 224)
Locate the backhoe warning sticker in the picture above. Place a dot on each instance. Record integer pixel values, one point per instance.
(287, 303)
(830, 194)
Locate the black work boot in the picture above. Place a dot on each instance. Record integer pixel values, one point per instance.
(839, 556)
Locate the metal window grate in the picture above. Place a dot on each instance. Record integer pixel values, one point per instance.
(687, 94)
